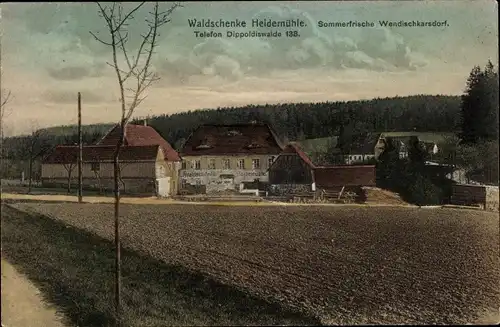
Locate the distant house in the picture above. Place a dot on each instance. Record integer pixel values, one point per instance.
(430, 141)
(430, 147)
(219, 158)
(362, 149)
(294, 171)
(400, 143)
(148, 164)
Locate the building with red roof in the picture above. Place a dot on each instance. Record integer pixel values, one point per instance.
(148, 163)
(293, 171)
(220, 158)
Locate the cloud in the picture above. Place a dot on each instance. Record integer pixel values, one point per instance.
(182, 56)
(56, 50)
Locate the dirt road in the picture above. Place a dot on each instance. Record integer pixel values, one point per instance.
(22, 304)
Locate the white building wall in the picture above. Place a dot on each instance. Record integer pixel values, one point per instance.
(221, 179)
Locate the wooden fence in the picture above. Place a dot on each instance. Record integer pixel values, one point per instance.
(482, 196)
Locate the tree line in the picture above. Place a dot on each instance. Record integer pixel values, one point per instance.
(296, 121)
(291, 121)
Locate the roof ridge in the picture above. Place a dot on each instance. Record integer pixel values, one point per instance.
(107, 146)
(342, 166)
(235, 124)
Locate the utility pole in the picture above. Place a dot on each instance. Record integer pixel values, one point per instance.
(80, 148)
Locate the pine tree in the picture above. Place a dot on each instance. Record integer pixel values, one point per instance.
(479, 105)
(490, 127)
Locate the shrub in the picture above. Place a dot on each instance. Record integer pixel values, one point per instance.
(421, 191)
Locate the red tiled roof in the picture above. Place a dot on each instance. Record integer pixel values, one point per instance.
(362, 175)
(99, 153)
(232, 139)
(140, 135)
(293, 148)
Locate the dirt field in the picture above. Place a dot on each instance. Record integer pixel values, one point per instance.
(344, 265)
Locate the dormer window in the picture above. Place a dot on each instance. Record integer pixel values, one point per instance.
(233, 133)
(204, 144)
(253, 145)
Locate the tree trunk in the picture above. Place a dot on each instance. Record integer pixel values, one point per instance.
(80, 150)
(29, 174)
(116, 171)
(69, 180)
(117, 240)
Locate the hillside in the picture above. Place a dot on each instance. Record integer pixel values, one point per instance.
(423, 113)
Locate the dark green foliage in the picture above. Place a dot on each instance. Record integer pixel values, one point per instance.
(479, 106)
(88, 138)
(316, 120)
(421, 191)
(389, 167)
(408, 176)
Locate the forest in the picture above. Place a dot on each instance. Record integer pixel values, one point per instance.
(291, 121)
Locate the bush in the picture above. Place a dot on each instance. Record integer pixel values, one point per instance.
(421, 191)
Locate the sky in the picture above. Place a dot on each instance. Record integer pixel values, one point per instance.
(48, 55)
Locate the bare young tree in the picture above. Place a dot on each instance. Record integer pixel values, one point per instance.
(135, 74)
(33, 147)
(5, 97)
(70, 167)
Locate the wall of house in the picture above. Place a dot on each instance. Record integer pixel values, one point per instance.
(137, 177)
(492, 198)
(130, 186)
(358, 158)
(459, 176)
(189, 162)
(216, 178)
(174, 181)
(290, 169)
(345, 176)
(128, 169)
(286, 189)
(168, 169)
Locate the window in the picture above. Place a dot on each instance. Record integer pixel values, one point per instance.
(241, 164)
(198, 182)
(197, 164)
(183, 164)
(226, 164)
(183, 183)
(95, 166)
(270, 162)
(211, 164)
(255, 164)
